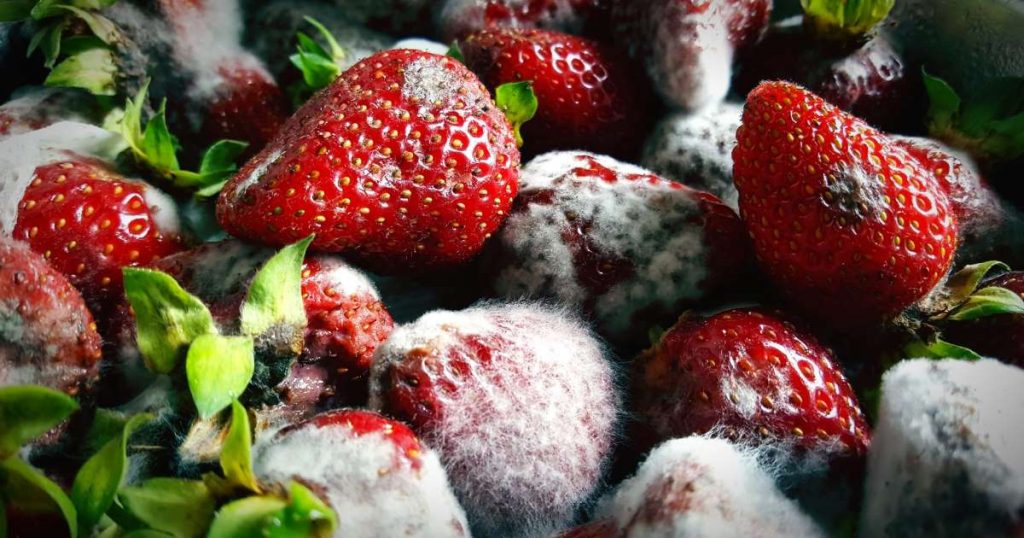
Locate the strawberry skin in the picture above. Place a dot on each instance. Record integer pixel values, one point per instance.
(89, 222)
(358, 423)
(460, 18)
(753, 375)
(851, 227)
(590, 97)
(403, 163)
(47, 335)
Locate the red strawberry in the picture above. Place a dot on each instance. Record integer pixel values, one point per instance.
(47, 335)
(247, 105)
(502, 391)
(689, 46)
(460, 18)
(849, 225)
(89, 222)
(376, 475)
(589, 96)
(752, 376)
(616, 241)
(989, 227)
(1000, 336)
(404, 163)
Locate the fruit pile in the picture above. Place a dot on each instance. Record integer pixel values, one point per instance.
(577, 268)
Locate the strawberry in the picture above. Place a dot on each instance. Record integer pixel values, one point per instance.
(589, 96)
(89, 222)
(696, 149)
(849, 226)
(699, 487)
(247, 105)
(40, 107)
(689, 46)
(346, 319)
(841, 58)
(501, 391)
(615, 241)
(403, 163)
(374, 472)
(989, 227)
(47, 335)
(459, 18)
(753, 376)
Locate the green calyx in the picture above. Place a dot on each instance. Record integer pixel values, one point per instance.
(989, 124)
(319, 65)
(965, 297)
(519, 103)
(845, 18)
(26, 413)
(75, 60)
(154, 147)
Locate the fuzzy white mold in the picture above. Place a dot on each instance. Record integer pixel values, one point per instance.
(20, 155)
(947, 458)
(258, 168)
(525, 433)
(419, 43)
(429, 80)
(646, 223)
(703, 487)
(372, 497)
(34, 108)
(691, 58)
(696, 150)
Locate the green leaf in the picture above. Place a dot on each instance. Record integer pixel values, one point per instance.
(845, 17)
(236, 455)
(15, 10)
(146, 533)
(98, 480)
(938, 349)
(99, 25)
(945, 103)
(245, 518)
(158, 144)
(963, 283)
(48, 39)
(218, 370)
(106, 425)
(518, 102)
(275, 295)
(987, 302)
(218, 164)
(177, 507)
(167, 318)
(93, 70)
(319, 66)
(28, 489)
(455, 52)
(28, 411)
(336, 52)
(305, 515)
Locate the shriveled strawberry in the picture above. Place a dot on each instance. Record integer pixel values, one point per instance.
(616, 241)
(47, 335)
(867, 77)
(689, 46)
(753, 376)
(403, 163)
(373, 471)
(850, 226)
(460, 18)
(589, 96)
(37, 108)
(89, 222)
